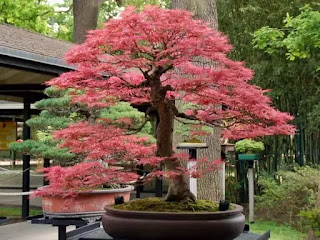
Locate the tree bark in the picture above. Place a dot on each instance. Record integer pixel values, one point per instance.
(209, 187)
(205, 10)
(178, 186)
(85, 17)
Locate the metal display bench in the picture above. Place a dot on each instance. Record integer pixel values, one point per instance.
(93, 231)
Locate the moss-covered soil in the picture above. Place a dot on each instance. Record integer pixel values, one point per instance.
(159, 205)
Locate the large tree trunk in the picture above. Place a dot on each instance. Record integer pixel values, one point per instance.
(205, 10)
(85, 17)
(208, 187)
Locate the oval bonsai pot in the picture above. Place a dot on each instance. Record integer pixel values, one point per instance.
(86, 204)
(246, 156)
(138, 225)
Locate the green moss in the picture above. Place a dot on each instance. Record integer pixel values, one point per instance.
(159, 205)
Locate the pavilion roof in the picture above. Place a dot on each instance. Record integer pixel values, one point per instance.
(27, 61)
(25, 40)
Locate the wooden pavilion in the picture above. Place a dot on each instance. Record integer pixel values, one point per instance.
(27, 60)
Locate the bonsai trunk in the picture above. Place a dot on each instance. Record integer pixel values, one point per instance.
(178, 186)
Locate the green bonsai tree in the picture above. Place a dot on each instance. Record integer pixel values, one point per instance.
(249, 146)
(58, 111)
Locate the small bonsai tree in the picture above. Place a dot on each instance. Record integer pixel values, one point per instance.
(57, 113)
(153, 57)
(249, 146)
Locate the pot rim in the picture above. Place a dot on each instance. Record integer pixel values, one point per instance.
(126, 188)
(176, 215)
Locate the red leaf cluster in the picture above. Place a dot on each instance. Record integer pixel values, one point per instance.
(69, 181)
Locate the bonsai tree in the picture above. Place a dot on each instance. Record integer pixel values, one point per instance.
(57, 113)
(153, 58)
(249, 146)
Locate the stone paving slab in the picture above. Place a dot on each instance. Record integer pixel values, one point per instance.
(28, 231)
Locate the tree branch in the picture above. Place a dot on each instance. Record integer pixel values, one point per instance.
(185, 116)
(119, 3)
(198, 122)
(140, 85)
(145, 74)
(149, 110)
(168, 88)
(66, 11)
(160, 70)
(136, 130)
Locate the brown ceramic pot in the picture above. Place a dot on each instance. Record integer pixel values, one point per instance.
(134, 225)
(86, 204)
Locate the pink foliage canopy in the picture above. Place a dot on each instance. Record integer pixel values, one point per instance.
(120, 61)
(115, 63)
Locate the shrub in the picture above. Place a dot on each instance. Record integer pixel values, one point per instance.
(290, 192)
(232, 188)
(313, 219)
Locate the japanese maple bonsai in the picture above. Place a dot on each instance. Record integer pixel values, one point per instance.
(249, 149)
(153, 58)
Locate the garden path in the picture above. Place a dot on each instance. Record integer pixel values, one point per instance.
(28, 231)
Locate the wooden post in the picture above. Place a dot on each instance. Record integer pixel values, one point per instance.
(158, 192)
(191, 165)
(251, 191)
(318, 200)
(46, 164)
(26, 160)
(223, 180)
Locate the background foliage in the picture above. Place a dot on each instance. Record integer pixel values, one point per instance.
(56, 19)
(284, 197)
(294, 84)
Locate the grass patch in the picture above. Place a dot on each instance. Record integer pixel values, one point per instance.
(278, 232)
(16, 212)
(158, 205)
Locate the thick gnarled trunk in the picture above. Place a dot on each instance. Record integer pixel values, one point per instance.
(179, 186)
